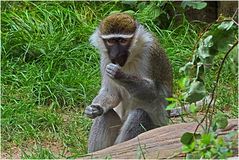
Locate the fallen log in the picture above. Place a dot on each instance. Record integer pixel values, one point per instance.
(159, 143)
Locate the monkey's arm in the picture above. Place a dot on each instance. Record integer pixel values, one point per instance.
(105, 100)
(141, 88)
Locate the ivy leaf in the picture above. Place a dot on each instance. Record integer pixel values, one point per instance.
(208, 41)
(193, 108)
(186, 68)
(221, 120)
(226, 25)
(171, 99)
(183, 82)
(141, 6)
(115, 11)
(204, 52)
(197, 136)
(148, 12)
(194, 5)
(171, 106)
(189, 148)
(206, 138)
(200, 72)
(131, 2)
(154, 12)
(223, 35)
(130, 12)
(234, 60)
(230, 135)
(196, 92)
(187, 138)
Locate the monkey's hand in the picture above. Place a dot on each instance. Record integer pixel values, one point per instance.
(93, 111)
(114, 71)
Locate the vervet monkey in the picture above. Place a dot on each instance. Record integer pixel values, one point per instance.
(136, 79)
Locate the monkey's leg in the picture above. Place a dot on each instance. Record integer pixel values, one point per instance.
(138, 121)
(104, 131)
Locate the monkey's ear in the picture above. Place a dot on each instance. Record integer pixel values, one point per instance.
(95, 39)
(142, 39)
(97, 42)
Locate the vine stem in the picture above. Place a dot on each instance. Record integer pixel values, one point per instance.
(214, 89)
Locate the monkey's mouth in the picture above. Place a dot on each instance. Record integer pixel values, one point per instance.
(120, 60)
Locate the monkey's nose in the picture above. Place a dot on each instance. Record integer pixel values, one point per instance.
(113, 61)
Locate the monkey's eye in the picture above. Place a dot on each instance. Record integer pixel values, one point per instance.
(123, 41)
(111, 42)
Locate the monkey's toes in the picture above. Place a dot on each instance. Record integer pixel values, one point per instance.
(93, 111)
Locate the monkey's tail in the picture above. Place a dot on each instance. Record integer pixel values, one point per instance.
(186, 109)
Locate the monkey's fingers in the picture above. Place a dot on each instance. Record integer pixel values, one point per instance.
(113, 66)
(93, 111)
(113, 70)
(110, 73)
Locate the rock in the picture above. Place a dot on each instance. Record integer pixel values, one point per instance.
(159, 143)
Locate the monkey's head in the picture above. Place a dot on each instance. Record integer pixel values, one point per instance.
(116, 31)
(120, 38)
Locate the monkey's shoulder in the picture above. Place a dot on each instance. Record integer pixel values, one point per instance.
(160, 67)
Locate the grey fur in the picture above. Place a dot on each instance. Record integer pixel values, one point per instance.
(136, 91)
(104, 131)
(141, 123)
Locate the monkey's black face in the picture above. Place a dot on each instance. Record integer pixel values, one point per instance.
(118, 49)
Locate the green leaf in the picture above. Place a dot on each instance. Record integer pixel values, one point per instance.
(204, 51)
(186, 149)
(193, 108)
(113, 12)
(220, 141)
(197, 136)
(208, 41)
(223, 36)
(221, 120)
(189, 148)
(216, 40)
(171, 99)
(186, 68)
(196, 92)
(234, 60)
(130, 12)
(200, 72)
(194, 5)
(182, 83)
(171, 106)
(226, 25)
(187, 138)
(131, 2)
(141, 5)
(206, 138)
(230, 135)
(208, 154)
(194, 155)
(148, 12)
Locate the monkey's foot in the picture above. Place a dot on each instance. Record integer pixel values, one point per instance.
(93, 111)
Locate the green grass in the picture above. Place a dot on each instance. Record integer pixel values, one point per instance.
(50, 72)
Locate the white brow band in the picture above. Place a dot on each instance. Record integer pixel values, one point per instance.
(117, 36)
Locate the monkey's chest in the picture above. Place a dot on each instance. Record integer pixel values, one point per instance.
(127, 103)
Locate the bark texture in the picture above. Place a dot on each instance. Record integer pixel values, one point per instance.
(159, 143)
